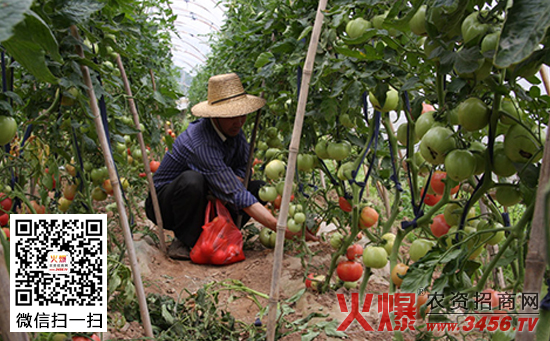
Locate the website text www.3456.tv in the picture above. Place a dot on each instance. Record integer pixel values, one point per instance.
(467, 313)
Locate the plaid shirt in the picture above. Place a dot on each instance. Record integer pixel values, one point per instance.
(200, 148)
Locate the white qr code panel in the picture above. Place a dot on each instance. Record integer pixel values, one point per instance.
(58, 273)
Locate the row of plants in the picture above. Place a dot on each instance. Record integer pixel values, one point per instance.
(468, 146)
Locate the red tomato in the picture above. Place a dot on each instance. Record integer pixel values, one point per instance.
(368, 218)
(344, 204)
(439, 226)
(142, 175)
(438, 185)
(354, 251)
(430, 199)
(69, 192)
(308, 280)
(349, 271)
(5, 203)
(4, 218)
(108, 187)
(427, 107)
(277, 202)
(154, 165)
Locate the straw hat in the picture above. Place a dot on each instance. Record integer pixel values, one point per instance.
(227, 98)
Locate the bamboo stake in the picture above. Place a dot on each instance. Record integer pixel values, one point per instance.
(5, 304)
(145, 157)
(116, 188)
(535, 262)
(289, 177)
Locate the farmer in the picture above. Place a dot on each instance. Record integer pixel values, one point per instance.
(210, 156)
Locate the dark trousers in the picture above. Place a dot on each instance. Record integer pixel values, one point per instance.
(183, 204)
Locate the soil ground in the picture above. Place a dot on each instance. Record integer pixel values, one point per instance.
(165, 276)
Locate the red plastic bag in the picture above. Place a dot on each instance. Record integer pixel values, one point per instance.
(220, 242)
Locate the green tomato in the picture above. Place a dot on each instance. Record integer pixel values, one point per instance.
(272, 153)
(418, 21)
(375, 257)
(271, 132)
(268, 237)
(275, 169)
(8, 128)
(473, 114)
(478, 150)
(305, 162)
(267, 193)
(453, 213)
(120, 147)
(419, 248)
(508, 111)
(460, 164)
(346, 121)
(508, 195)
(336, 240)
(489, 225)
(262, 146)
(436, 144)
(392, 100)
(390, 239)
(424, 123)
(472, 29)
(502, 165)
(299, 217)
(293, 226)
(345, 170)
(321, 150)
(378, 20)
(357, 27)
(489, 44)
(402, 134)
(521, 146)
(339, 150)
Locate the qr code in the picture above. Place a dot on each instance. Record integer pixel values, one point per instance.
(58, 272)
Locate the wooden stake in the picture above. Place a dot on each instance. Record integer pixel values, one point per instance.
(289, 177)
(535, 262)
(117, 190)
(145, 157)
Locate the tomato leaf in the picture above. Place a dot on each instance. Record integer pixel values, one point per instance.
(525, 27)
(417, 278)
(76, 12)
(31, 38)
(467, 60)
(263, 58)
(11, 14)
